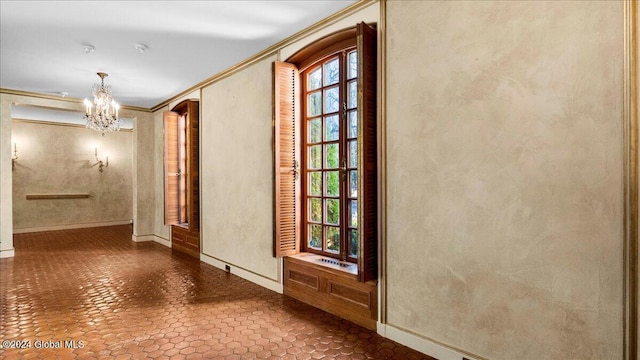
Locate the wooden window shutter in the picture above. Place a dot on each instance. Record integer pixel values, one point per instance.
(287, 160)
(171, 169)
(367, 55)
(193, 167)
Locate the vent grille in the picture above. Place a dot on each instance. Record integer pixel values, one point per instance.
(334, 262)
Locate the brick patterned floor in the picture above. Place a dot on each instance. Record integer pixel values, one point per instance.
(118, 299)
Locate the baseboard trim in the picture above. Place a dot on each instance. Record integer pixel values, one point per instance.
(425, 346)
(151, 237)
(141, 238)
(70, 226)
(9, 253)
(162, 241)
(245, 274)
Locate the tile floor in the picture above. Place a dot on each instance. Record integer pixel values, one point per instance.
(95, 294)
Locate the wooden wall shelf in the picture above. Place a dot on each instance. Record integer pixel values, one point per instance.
(56, 196)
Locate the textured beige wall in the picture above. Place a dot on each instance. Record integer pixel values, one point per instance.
(505, 176)
(144, 200)
(6, 213)
(60, 159)
(159, 228)
(237, 170)
(142, 213)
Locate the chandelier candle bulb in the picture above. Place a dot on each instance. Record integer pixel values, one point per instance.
(87, 104)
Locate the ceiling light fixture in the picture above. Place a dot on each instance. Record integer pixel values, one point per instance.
(88, 48)
(141, 47)
(102, 114)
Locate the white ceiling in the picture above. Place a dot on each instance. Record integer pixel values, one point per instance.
(42, 42)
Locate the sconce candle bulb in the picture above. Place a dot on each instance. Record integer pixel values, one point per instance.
(14, 157)
(100, 163)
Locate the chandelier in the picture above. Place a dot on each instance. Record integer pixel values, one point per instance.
(102, 113)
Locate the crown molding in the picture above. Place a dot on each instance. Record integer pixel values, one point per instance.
(65, 99)
(54, 123)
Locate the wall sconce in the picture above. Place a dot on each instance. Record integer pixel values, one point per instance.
(101, 165)
(14, 157)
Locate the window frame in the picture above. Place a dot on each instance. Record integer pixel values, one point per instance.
(287, 239)
(341, 55)
(181, 133)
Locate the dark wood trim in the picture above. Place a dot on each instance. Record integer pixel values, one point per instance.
(631, 182)
(185, 237)
(185, 240)
(334, 291)
(324, 47)
(367, 153)
(382, 162)
(56, 196)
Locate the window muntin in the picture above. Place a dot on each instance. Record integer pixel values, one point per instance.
(330, 163)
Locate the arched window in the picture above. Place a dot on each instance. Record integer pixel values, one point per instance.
(326, 159)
